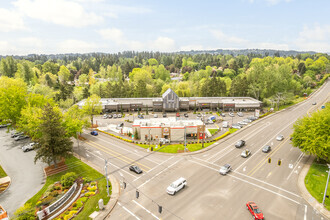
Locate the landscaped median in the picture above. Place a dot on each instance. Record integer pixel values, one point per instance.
(2, 173)
(116, 136)
(94, 189)
(315, 182)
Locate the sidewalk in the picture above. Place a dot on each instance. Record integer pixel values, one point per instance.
(304, 192)
(103, 214)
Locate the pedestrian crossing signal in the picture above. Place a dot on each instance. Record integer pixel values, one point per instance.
(269, 160)
(279, 162)
(137, 194)
(160, 209)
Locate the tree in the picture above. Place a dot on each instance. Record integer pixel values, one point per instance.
(311, 134)
(153, 62)
(54, 142)
(64, 74)
(25, 213)
(92, 106)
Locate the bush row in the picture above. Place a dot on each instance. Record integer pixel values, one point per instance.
(121, 138)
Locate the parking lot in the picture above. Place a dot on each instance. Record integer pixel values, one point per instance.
(27, 178)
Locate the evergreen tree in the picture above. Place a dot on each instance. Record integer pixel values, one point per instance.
(53, 143)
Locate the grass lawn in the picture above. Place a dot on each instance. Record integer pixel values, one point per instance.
(2, 173)
(212, 131)
(83, 170)
(315, 181)
(173, 148)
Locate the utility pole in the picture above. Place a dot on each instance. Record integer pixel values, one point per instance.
(149, 137)
(106, 175)
(78, 145)
(326, 186)
(203, 133)
(185, 140)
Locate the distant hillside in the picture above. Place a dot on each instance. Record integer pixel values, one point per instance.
(263, 52)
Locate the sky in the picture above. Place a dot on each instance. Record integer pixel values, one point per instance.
(111, 26)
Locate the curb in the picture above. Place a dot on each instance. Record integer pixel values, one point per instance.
(103, 214)
(304, 192)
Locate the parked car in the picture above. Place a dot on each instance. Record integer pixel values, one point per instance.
(4, 125)
(246, 153)
(164, 140)
(225, 124)
(140, 116)
(223, 114)
(254, 210)
(231, 114)
(119, 115)
(225, 169)
(280, 137)
(266, 149)
(177, 114)
(240, 114)
(164, 115)
(199, 115)
(247, 120)
(240, 144)
(252, 118)
(21, 137)
(15, 134)
(105, 116)
(237, 126)
(314, 103)
(114, 115)
(155, 116)
(94, 133)
(242, 123)
(28, 147)
(135, 169)
(109, 116)
(176, 186)
(186, 115)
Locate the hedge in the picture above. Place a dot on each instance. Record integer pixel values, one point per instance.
(121, 138)
(222, 136)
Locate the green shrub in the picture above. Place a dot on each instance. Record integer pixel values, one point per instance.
(79, 204)
(46, 201)
(57, 187)
(51, 188)
(93, 183)
(38, 203)
(54, 193)
(82, 199)
(68, 179)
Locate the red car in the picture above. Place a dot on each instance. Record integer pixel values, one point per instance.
(255, 211)
(178, 114)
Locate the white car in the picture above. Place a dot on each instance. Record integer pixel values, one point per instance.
(240, 114)
(242, 123)
(176, 186)
(280, 137)
(247, 120)
(164, 140)
(225, 169)
(28, 147)
(105, 116)
(237, 126)
(246, 153)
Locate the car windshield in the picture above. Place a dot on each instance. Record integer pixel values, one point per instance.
(173, 185)
(257, 211)
(137, 168)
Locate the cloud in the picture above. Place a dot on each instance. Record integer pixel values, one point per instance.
(112, 34)
(227, 39)
(76, 46)
(275, 2)
(163, 44)
(7, 49)
(191, 47)
(10, 21)
(315, 38)
(61, 12)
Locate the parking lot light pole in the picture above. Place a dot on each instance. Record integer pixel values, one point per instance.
(106, 175)
(326, 186)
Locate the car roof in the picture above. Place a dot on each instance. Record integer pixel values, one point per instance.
(181, 179)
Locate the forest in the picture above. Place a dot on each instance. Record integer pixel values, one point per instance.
(69, 78)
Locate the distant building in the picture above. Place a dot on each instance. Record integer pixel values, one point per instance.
(171, 102)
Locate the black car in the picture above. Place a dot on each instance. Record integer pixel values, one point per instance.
(135, 169)
(164, 115)
(266, 149)
(109, 116)
(185, 115)
(15, 134)
(240, 143)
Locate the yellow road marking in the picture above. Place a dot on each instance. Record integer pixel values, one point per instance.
(117, 155)
(259, 165)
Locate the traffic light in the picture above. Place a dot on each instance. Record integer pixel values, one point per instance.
(279, 162)
(124, 185)
(160, 209)
(137, 194)
(269, 160)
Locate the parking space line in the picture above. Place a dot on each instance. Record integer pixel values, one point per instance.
(297, 163)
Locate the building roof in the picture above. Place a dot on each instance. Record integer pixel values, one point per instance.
(166, 122)
(168, 92)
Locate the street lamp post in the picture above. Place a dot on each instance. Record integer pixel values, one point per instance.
(326, 186)
(203, 131)
(106, 175)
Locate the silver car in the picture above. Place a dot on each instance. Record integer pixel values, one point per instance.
(225, 169)
(246, 153)
(280, 137)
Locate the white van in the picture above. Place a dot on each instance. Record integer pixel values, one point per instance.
(225, 124)
(176, 186)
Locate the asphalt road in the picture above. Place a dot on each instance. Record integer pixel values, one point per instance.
(208, 194)
(27, 178)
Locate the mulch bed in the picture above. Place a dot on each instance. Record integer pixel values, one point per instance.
(51, 170)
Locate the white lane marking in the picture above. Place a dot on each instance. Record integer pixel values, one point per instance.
(87, 155)
(98, 152)
(305, 216)
(111, 164)
(130, 151)
(128, 211)
(159, 173)
(264, 145)
(298, 161)
(244, 169)
(205, 155)
(120, 174)
(152, 168)
(250, 183)
(290, 166)
(247, 135)
(250, 177)
(146, 209)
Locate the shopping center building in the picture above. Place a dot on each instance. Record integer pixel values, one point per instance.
(172, 128)
(170, 102)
